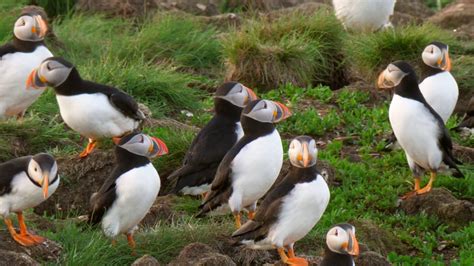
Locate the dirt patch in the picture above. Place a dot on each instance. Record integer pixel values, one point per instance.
(458, 16)
(441, 203)
(410, 11)
(464, 154)
(162, 211)
(146, 260)
(370, 258)
(242, 255)
(11, 253)
(201, 254)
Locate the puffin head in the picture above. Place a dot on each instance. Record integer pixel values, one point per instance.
(341, 239)
(436, 55)
(303, 152)
(142, 145)
(235, 93)
(394, 74)
(42, 168)
(30, 27)
(53, 72)
(266, 111)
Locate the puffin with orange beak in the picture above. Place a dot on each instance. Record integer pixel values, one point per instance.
(18, 58)
(26, 182)
(128, 194)
(252, 165)
(292, 208)
(93, 110)
(341, 246)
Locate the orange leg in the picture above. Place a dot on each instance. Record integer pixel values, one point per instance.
(291, 252)
(291, 260)
(251, 215)
(88, 150)
(131, 243)
(24, 231)
(204, 195)
(414, 192)
(238, 223)
(21, 239)
(428, 187)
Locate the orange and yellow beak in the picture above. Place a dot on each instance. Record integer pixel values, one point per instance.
(45, 184)
(352, 249)
(281, 113)
(252, 95)
(306, 156)
(381, 81)
(157, 148)
(445, 62)
(41, 27)
(36, 81)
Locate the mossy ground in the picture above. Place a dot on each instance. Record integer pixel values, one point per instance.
(163, 61)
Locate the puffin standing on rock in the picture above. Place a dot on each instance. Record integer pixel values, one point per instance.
(126, 196)
(26, 182)
(417, 127)
(341, 246)
(252, 165)
(94, 110)
(17, 59)
(213, 141)
(292, 208)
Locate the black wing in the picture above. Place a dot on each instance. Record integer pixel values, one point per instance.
(102, 200)
(9, 170)
(126, 104)
(7, 49)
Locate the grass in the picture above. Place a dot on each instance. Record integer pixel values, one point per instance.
(294, 48)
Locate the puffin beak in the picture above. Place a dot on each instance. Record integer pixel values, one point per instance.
(355, 245)
(34, 81)
(306, 157)
(281, 113)
(381, 81)
(445, 62)
(157, 148)
(43, 27)
(252, 95)
(45, 184)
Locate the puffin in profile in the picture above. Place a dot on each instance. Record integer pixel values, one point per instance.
(417, 127)
(341, 246)
(438, 86)
(127, 195)
(251, 166)
(17, 59)
(364, 15)
(292, 208)
(26, 182)
(93, 110)
(213, 141)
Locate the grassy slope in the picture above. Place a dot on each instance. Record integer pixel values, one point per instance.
(369, 189)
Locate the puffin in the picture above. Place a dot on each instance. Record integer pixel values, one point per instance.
(17, 59)
(215, 139)
(291, 208)
(93, 110)
(419, 129)
(129, 192)
(26, 182)
(341, 246)
(364, 15)
(251, 166)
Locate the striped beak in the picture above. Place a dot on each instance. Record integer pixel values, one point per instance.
(281, 112)
(306, 156)
(252, 96)
(40, 28)
(157, 148)
(353, 246)
(445, 62)
(35, 81)
(45, 184)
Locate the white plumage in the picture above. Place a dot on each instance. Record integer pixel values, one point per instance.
(93, 116)
(15, 98)
(300, 211)
(24, 195)
(364, 15)
(441, 92)
(417, 131)
(254, 170)
(136, 190)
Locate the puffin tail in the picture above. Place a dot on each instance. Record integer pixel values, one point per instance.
(451, 162)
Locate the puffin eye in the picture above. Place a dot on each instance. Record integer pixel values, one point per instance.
(336, 232)
(48, 67)
(36, 169)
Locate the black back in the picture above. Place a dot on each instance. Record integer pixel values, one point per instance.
(9, 170)
(105, 197)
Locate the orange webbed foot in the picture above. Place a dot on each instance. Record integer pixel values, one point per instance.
(297, 261)
(88, 150)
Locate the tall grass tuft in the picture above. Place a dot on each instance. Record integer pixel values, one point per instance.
(370, 53)
(295, 48)
(55, 8)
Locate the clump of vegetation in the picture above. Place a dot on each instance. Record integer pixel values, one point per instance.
(294, 48)
(55, 8)
(371, 52)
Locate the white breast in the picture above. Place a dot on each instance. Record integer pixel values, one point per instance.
(136, 191)
(441, 92)
(92, 116)
(24, 195)
(255, 169)
(15, 98)
(364, 15)
(416, 130)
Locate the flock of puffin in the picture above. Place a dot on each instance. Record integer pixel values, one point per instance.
(233, 162)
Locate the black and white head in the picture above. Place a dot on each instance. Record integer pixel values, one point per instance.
(235, 93)
(436, 55)
(42, 169)
(52, 72)
(266, 111)
(395, 74)
(341, 239)
(143, 145)
(303, 152)
(30, 27)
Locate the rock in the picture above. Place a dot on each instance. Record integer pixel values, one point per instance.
(161, 211)
(377, 239)
(245, 256)
(11, 253)
(370, 258)
(464, 154)
(126, 8)
(146, 260)
(201, 254)
(223, 21)
(458, 16)
(441, 203)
